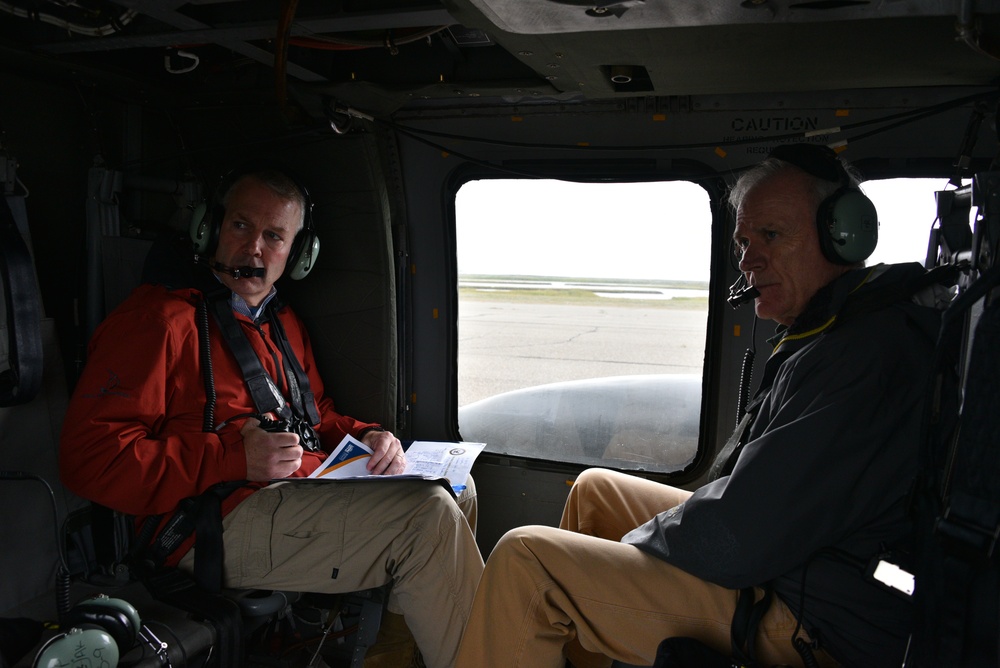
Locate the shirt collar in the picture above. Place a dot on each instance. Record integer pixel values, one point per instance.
(241, 306)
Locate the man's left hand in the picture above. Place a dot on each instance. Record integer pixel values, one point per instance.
(389, 458)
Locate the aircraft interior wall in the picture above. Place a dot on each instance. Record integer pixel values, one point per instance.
(50, 145)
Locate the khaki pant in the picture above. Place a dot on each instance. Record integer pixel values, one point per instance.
(548, 593)
(347, 536)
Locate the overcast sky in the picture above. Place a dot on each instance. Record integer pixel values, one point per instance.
(635, 230)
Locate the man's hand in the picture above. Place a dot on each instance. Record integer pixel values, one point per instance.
(270, 454)
(389, 458)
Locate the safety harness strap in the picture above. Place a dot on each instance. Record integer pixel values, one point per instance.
(685, 652)
(208, 554)
(202, 515)
(746, 620)
(958, 502)
(303, 401)
(266, 396)
(22, 303)
(726, 459)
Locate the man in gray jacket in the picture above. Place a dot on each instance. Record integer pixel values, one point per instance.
(812, 496)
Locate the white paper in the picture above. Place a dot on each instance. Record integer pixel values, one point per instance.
(424, 459)
(442, 459)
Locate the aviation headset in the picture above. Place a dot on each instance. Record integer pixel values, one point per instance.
(206, 220)
(100, 629)
(847, 220)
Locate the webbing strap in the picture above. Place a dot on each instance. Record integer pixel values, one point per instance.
(303, 400)
(970, 497)
(970, 525)
(959, 494)
(975, 494)
(208, 552)
(22, 304)
(746, 620)
(202, 515)
(730, 452)
(266, 396)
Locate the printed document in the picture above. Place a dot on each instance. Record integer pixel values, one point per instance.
(424, 459)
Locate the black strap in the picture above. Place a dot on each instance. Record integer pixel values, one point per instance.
(303, 401)
(683, 652)
(874, 300)
(267, 398)
(958, 500)
(746, 621)
(208, 548)
(730, 452)
(22, 304)
(266, 395)
(970, 524)
(201, 515)
(689, 653)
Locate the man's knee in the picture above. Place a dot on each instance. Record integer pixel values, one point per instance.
(524, 542)
(592, 483)
(436, 502)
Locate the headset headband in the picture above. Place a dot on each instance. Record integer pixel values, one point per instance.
(815, 159)
(847, 220)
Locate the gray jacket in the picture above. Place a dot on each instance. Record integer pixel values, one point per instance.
(820, 487)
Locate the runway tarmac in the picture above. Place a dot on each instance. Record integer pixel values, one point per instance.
(505, 345)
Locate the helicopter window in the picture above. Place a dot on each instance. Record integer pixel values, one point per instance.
(582, 319)
(583, 312)
(906, 211)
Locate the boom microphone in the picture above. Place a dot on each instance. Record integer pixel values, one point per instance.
(240, 272)
(235, 272)
(741, 292)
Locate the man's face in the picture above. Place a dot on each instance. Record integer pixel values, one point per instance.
(780, 255)
(257, 231)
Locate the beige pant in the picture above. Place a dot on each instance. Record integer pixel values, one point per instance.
(548, 593)
(347, 536)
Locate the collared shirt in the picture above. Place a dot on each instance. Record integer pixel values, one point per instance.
(240, 305)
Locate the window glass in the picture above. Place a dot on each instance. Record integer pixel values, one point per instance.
(582, 319)
(906, 210)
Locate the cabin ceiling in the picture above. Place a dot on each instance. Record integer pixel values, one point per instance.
(381, 56)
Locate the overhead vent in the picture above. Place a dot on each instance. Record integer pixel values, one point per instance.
(629, 78)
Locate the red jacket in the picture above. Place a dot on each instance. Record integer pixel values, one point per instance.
(133, 440)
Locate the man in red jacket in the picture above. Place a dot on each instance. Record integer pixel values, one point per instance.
(138, 439)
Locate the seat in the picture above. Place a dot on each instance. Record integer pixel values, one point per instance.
(246, 625)
(238, 617)
(233, 617)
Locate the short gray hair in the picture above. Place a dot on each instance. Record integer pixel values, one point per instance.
(280, 183)
(759, 173)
